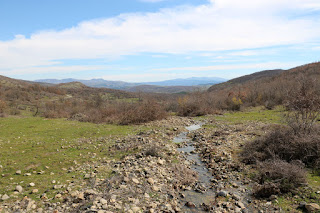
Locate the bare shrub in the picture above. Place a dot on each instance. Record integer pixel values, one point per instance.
(284, 144)
(154, 151)
(303, 105)
(277, 176)
(184, 176)
(3, 106)
(140, 112)
(196, 104)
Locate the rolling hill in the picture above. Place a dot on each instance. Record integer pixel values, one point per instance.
(169, 86)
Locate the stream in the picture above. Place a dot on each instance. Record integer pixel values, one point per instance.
(195, 198)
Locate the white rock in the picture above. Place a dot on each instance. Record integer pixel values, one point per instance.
(19, 189)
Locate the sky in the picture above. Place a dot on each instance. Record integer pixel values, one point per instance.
(154, 40)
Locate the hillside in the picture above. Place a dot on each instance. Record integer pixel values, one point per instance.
(268, 88)
(246, 78)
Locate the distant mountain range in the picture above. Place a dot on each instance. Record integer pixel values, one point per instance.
(168, 86)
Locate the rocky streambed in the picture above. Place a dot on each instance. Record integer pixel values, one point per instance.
(168, 168)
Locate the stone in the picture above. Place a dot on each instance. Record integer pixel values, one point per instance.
(19, 189)
(190, 205)
(222, 194)
(57, 186)
(135, 209)
(90, 192)
(18, 172)
(34, 191)
(302, 205)
(103, 201)
(155, 188)
(161, 162)
(135, 180)
(5, 197)
(32, 184)
(240, 205)
(312, 207)
(150, 181)
(58, 196)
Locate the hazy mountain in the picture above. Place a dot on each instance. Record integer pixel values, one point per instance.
(99, 82)
(194, 81)
(166, 89)
(185, 83)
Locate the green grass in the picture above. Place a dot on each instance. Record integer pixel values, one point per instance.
(256, 114)
(33, 144)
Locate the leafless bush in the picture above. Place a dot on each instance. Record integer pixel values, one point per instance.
(284, 144)
(196, 104)
(140, 112)
(184, 176)
(154, 150)
(303, 105)
(278, 176)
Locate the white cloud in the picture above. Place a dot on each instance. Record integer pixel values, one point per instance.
(218, 25)
(259, 66)
(185, 72)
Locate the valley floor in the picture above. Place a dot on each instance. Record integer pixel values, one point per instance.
(67, 166)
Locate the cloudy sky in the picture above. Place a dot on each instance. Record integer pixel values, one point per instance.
(151, 40)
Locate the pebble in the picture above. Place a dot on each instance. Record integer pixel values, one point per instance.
(19, 189)
(32, 184)
(312, 207)
(135, 180)
(150, 181)
(5, 197)
(18, 172)
(222, 194)
(34, 191)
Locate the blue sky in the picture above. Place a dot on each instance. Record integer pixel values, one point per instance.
(151, 40)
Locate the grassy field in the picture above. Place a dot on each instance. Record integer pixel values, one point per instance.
(51, 149)
(256, 114)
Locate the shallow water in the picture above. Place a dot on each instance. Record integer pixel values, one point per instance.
(204, 175)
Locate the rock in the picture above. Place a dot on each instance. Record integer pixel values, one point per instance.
(240, 205)
(150, 181)
(58, 196)
(135, 209)
(236, 197)
(135, 180)
(18, 172)
(103, 201)
(90, 192)
(5, 197)
(155, 188)
(161, 162)
(34, 191)
(312, 207)
(190, 205)
(19, 189)
(57, 186)
(32, 184)
(27, 174)
(222, 194)
(302, 205)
